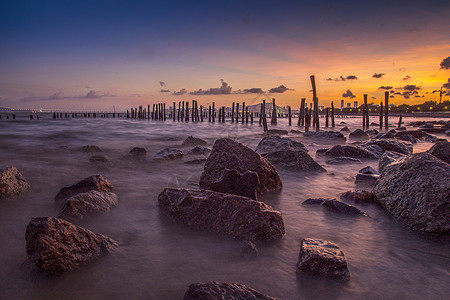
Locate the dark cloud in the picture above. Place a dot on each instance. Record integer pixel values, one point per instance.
(279, 89)
(411, 87)
(445, 63)
(447, 85)
(348, 94)
(180, 92)
(342, 78)
(224, 89)
(388, 87)
(406, 77)
(92, 94)
(378, 75)
(162, 83)
(165, 91)
(250, 91)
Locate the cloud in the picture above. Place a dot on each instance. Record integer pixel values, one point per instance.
(388, 87)
(250, 91)
(445, 63)
(348, 94)
(279, 89)
(224, 89)
(447, 85)
(180, 92)
(342, 78)
(92, 94)
(406, 77)
(165, 91)
(411, 87)
(378, 75)
(162, 83)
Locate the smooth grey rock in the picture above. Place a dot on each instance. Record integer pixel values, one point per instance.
(138, 153)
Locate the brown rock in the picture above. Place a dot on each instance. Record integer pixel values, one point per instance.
(349, 151)
(12, 183)
(441, 150)
(324, 258)
(95, 182)
(222, 291)
(84, 204)
(359, 134)
(57, 246)
(296, 161)
(233, 182)
(342, 207)
(228, 154)
(223, 214)
(358, 196)
(193, 141)
(169, 154)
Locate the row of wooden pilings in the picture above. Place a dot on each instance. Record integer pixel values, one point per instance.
(61, 115)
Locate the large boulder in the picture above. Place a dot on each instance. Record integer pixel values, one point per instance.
(215, 291)
(350, 151)
(328, 135)
(324, 258)
(95, 182)
(441, 150)
(392, 145)
(12, 183)
(223, 214)
(57, 246)
(416, 192)
(228, 154)
(83, 204)
(388, 158)
(359, 134)
(193, 141)
(233, 182)
(297, 161)
(276, 143)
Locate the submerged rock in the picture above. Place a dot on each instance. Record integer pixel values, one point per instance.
(343, 160)
(330, 135)
(345, 128)
(223, 214)
(415, 191)
(80, 205)
(358, 196)
(193, 141)
(138, 153)
(227, 291)
(314, 201)
(98, 159)
(324, 258)
(350, 151)
(277, 143)
(169, 154)
(12, 183)
(276, 132)
(359, 134)
(57, 246)
(367, 176)
(199, 150)
(249, 250)
(228, 154)
(297, 161)
(342, 207)
(392, 145)
(88, 149)
(388, 158)
(95, 182)
(196, 161)
(441, 150)
(233, 182)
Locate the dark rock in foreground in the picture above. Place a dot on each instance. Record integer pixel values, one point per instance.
(388, 158)
(83, 204)
(223, 214)
(367, 176)
(169, 154)
(358, 196)
(233, 182)
(392, 145)
(12, 183)
(324, 258)
(222, 291)
(297, 161)
(314, 201)
(415, 191)
(228, 154)
(329, 135)
(343, 160)
(441, 150)
(95, 182)
(350, 151)
(57, 246)
(193, 141)
(408, 138)
(345, 129)
(98, 159)
(359, 134)
(276, 143)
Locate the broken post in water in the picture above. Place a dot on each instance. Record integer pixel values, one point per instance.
(399, 121)
(316, 102)
(264, 121)
(381, 115)
(301, 120)
(187, 111)
(209, 114)
(326, 117)
(213, 112)
(306, 119)
(274, 113)
(243, 112)
(332, 114)
(237, 112)
(232, 113)
(367, 111)
(386, 110)
(290, 115)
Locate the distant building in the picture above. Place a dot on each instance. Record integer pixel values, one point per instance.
(355, 104)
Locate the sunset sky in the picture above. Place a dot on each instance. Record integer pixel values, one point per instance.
(93, 55)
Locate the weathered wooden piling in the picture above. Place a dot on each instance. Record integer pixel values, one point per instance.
(367, 111)
(201, 113)
(182, 111)
(164, 111)
(232, 113)
(274, 113)
(290, 115)
(386, 110)
(332, 114)
(363, 117)
(246, 115)
(223, 114)
(326, 116)
(251, 118)
(209, 114)
(187, 111)
(213, 112)
(381, 115)
(264, 121)
(243, 112)
(316, 102)
(399, 121)
(261, 114)
(306, 119)
(237, 112)
(301, 113)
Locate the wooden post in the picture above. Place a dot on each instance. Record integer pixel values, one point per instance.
(174, 111)
(264, 115)
(290, 115)
(179, 111)
(187, 111)
(306, 119)
(332, 114)
(363, 117)
(237, 112)
(209, 114)
(182, 111)
(316, 102)
(128, 114)
(367, 111)
(213, 112)
(326, 117)
(201, 113)
(232, 113)
(301, 113)
(274, 113)
(381, 115)
(243, 112)
(399, 121)
(386, 110)
(261, 114)
(164, 111)
(246, 115)
(251, 118)
(223, 114)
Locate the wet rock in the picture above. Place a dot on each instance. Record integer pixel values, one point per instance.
(385, 135)
(342, 122)
(98, 159)
(367, 176)
(57, 246)
(341, 207)
(92, 202)
(359, 134)
(169, 154)
(372, 132)
(249, 250)
(276, 143)
(427, 126)
(358, 196)
(374, 149)
(199, 150)
(214, 290)
(418, 134)
(196, 161)
(276, 132)
(88, 149)
(95, 182)
(193, 141)
(343, 160)
(297, 161)
(322, 151)
(388, 158)
(314, 201)
(374, 124)
(223, 214)
(368, 170)
(228, 154)
(441, 150)
(403, 128)
(392, 145)
(350, 151)
(296, 131)
(345, 129)
(416, 193)
(138, 153)
(233, 182)
(408, 138)
(12, 183)
(329, 135)
(324, 258)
